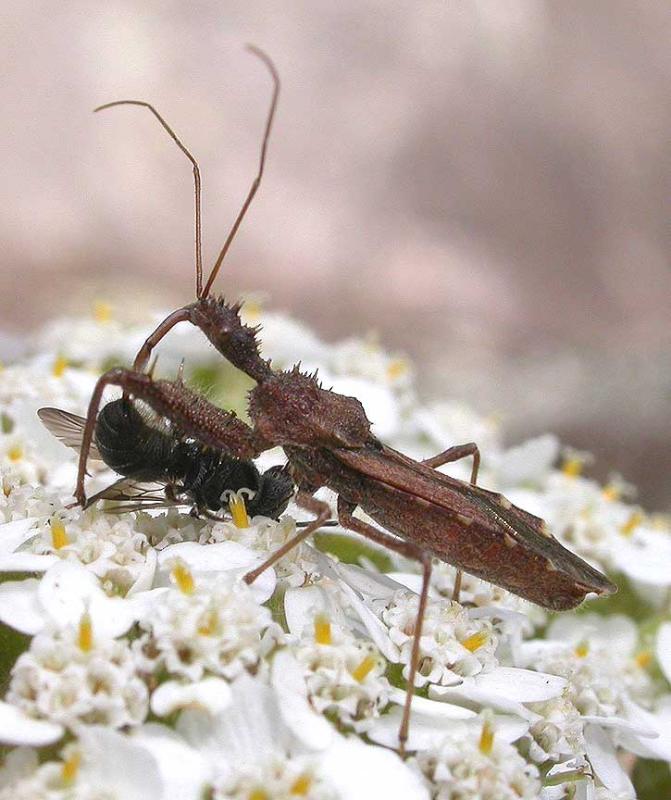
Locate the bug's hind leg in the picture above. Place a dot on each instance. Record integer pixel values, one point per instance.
(456, 453)
(410, 550)
(305, 500)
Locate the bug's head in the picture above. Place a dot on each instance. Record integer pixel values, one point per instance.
(237, 342)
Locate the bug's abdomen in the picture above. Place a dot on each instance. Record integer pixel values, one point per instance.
(129, 445)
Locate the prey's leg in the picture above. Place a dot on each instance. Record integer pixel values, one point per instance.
(305, 500)
(347, 520)
(456, 453)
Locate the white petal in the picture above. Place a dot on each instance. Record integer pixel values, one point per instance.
(210, 694)
(663, 649)
(301, 605)
(27, 562)
(145, 578)
(522, 685)
(357, 770)
(302, 720)
(660, 722)
(68, 589)
(377, 585)
(617, 631)
(116, 764)
(16, 728)
(13, 534)
(645, 558)
(470, 692)
(184, 772)
(379, 403)
(377, 630)
(603, 759)
(527, 461)
(20, 607)
(430, 722)
(222, 557)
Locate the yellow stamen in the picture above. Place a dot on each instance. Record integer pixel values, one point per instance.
(15, 453)
(236, 503)
(6, 487)
(70, 768)
(322, 629)
(572, 467)
(59, 536)
(397, 369)
(210, 624)
(643, 659)
(182, 576)
(258, 794)
(60, 365)
(612, 492)
(486, 744)
(102, 312)
(85, 633)
(476, 641)
(582, 650)
(302, 785)
(359, 673)
(632, 523)
(251, 310)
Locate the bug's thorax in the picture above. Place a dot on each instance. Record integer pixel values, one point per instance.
(291, 408)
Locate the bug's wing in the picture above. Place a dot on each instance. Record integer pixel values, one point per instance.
(67, 428)
(479, 530)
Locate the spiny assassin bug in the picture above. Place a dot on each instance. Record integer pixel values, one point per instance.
(327, 440)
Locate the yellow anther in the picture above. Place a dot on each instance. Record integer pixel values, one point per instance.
(70, 768)
(59, 536)
(209, 624)
(85, 633)
(397, 369)
(635, 519)
(612, 492)
(301, 786)
(476, 641)
(60, 365)
(258, 794)
(251, 310)
(582, 649)
(6, 487)
(183, 577)
(486, 743)
(236, 503)
(102, 312)
(15, 453)
(359, 673)
(572, 467)
(643, 659)
(322, 629)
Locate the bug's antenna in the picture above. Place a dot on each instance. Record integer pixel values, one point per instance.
(196, 180)
(257, 180)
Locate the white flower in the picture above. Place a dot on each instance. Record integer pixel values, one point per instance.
(206, 627)
(72, 675)
(477, 763)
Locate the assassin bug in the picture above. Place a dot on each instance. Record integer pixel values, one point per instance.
(328, 442)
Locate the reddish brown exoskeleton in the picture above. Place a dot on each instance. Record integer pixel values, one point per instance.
(328, 442)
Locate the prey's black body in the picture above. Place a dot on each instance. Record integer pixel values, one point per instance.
(137, 449)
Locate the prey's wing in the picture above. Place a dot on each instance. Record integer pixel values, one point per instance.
(133, 496)
(67, 428)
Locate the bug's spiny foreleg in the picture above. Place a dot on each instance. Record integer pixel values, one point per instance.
(191, 413)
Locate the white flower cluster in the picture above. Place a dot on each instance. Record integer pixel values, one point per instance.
(140, 664)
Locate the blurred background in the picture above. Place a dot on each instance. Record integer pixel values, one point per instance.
(483, 185)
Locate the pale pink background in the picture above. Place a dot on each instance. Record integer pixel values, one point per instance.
(484, 183)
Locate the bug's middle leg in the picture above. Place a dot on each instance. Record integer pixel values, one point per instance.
(305, 500)
(456, 453)
(404, 548)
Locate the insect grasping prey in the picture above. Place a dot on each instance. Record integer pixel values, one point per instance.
(328, 441)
